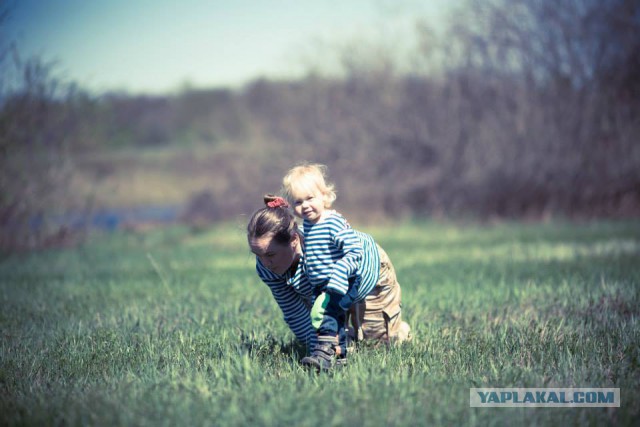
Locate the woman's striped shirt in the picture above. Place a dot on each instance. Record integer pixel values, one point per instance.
(294, 293)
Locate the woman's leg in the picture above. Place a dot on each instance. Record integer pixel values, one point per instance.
(379, 316)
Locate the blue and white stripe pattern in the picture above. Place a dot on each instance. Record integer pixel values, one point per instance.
(294, 295)
(294, 292)
(336, 254)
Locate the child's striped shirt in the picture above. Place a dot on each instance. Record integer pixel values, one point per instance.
(336, 256)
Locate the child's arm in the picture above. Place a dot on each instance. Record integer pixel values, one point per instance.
(345, 239)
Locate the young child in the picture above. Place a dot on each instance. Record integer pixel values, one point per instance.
(343, 265)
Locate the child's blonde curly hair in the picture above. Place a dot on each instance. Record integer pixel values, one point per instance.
(308, 178)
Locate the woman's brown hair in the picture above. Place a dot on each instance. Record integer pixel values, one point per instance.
(274, 218)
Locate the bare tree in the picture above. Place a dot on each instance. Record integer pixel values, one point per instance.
(39, 116)
(534, 81)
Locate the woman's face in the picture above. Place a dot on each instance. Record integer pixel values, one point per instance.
(277, 257)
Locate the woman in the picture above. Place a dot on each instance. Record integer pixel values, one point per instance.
(274, 237)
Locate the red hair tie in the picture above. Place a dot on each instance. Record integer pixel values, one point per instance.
(278, 202)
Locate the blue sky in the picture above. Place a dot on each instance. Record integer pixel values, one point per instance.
(156, 46)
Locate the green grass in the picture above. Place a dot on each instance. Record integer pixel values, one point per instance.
(174, 328)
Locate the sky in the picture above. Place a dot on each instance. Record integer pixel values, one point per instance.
(157, 46)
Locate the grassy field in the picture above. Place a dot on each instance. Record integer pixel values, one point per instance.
(173, 327)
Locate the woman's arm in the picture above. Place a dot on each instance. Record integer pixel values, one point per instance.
(295, 309)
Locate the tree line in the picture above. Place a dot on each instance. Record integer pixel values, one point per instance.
(521, 108)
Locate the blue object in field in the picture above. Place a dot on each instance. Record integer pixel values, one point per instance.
(111, 219)
(106, 220)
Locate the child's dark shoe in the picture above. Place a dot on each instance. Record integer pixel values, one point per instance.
(323, 358)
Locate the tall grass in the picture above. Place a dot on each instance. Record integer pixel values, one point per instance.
(174, 328)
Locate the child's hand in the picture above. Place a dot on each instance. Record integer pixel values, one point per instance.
(346, 301)
(318, 309)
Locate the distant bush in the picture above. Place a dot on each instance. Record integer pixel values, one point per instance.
(40, 121)
(525, 108)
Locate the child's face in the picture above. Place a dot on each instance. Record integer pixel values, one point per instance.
(309, 204)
